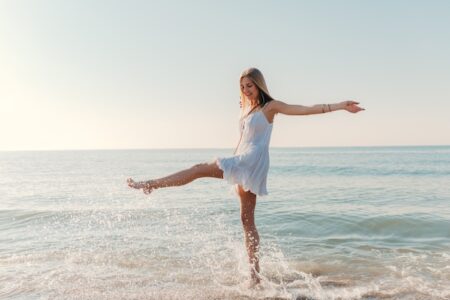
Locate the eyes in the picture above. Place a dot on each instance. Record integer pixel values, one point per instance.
(248, 86)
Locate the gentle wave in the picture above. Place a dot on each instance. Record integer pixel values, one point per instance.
(311, 170)
(339, 223)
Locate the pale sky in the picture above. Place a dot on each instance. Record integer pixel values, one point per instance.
(164, 74)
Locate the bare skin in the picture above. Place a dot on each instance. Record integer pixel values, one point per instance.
(250, 90)
(247, 198)
(179, 178)
(251, 236)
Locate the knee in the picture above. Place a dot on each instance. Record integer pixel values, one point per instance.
(242, 193)
(199, 169)
(245, 195)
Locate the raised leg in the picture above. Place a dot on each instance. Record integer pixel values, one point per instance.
(251, 236)
(179, 178)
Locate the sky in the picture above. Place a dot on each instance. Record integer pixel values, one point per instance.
(165, 74)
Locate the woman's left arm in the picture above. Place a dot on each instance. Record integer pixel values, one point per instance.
(290, 109)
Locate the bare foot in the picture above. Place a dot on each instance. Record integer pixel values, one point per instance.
(144, 185)
(254, 280)
(253, 283)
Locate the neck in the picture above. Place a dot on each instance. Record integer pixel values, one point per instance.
(253, 103)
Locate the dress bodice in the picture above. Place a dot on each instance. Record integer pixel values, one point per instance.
(255, 129)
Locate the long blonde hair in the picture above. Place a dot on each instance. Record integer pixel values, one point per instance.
(257, 78)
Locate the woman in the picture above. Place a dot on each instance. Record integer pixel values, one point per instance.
(249, 165)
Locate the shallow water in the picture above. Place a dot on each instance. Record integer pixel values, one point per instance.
(338, 223)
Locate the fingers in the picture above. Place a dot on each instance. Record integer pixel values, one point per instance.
(350, 102)
(351, 106)
(358, 108)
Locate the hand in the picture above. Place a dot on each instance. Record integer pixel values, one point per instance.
(351, 106)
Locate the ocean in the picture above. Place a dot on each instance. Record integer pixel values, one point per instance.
(338, 223)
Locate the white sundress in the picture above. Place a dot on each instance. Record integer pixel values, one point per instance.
(250, 164)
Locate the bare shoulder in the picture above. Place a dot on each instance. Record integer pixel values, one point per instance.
(271, 109)
(274, 106)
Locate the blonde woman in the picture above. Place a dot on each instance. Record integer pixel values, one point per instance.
(248, 167)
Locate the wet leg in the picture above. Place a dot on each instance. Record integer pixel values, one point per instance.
(251, 236)
(179, 178)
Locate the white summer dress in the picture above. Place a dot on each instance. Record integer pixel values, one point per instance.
(250, 164)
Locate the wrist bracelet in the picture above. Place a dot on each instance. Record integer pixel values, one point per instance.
(329, 107)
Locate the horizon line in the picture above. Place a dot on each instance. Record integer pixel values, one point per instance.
(220, 148)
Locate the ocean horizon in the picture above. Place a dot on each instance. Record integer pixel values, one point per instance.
(225, 148)
(365, 222)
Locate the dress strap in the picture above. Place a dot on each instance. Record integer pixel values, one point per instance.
(250, 111)
(242, 131)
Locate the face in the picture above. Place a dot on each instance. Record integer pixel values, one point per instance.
(249, 89)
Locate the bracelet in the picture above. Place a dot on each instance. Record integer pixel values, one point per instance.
(323, 110)
(329, 107)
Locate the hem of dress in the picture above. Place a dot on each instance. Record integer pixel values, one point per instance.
(231, 181)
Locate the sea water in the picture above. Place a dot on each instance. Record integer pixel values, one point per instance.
(338, 223)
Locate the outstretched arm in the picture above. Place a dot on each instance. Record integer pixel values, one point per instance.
(290, 109)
